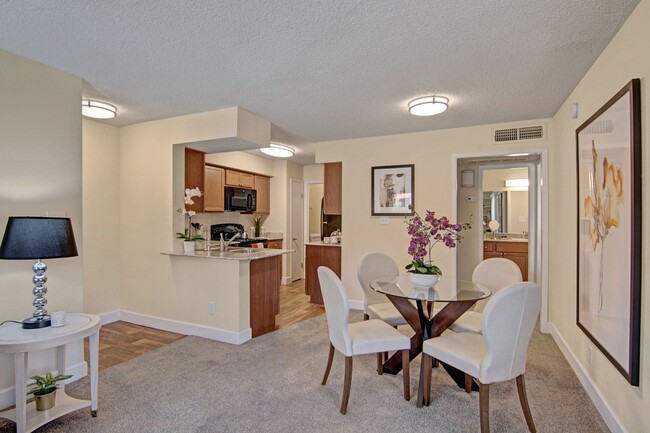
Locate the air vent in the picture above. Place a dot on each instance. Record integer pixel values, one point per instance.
(525, 133)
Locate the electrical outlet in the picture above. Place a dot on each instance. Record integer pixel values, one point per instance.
(212, 308)
(384, 220)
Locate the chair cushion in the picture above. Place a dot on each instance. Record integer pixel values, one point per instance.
(374, 336)
(465, 351)
(470, 321)
(387, 312)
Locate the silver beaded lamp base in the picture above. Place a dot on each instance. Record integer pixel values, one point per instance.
(40, 319)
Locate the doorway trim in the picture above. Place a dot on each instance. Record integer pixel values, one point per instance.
(542, 228)
(299, 187)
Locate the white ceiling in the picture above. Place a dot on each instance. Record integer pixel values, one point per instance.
(320, 70)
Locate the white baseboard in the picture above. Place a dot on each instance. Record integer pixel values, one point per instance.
(613, 422)
(109, 317)
(78, 371)
(286, 281)
(186, 328)
(356, 304)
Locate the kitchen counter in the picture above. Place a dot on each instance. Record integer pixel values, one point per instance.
(505, 240)
(249, 254)
(322, 244)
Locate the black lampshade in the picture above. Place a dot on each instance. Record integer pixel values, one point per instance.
(38, 238)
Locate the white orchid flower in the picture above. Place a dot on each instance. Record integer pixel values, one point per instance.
(189, 201)
(191, 213)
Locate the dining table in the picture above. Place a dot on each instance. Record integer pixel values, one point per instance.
(429, 311)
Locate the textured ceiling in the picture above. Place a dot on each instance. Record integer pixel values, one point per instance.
(320, 70)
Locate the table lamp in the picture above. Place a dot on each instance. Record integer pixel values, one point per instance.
(38, 238)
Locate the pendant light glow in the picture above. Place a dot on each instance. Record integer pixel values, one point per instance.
(517, 182)
(97, 110)
(428, 105)
(278, 150)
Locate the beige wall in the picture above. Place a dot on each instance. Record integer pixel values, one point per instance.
(40, 173)
(432, 153)
(101, 214)
(625, 58)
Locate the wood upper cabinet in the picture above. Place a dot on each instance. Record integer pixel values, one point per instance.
(263, 188)
(240, 179)
(332, 188)
(515, 251)
(214, 192)
(195, 175)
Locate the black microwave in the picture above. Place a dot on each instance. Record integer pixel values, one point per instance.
(240, 199)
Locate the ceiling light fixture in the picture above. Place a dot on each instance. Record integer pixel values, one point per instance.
(428, 105)
(97, 110)
(278, 150)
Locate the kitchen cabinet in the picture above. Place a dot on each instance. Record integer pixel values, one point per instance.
(515, 251)
(263, 188)
(315, 256)
(240, 179)
(276, 244)
(213, 197)
(332, 186)
(265, 279)
(195, 175)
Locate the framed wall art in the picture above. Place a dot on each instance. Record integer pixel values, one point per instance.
(609, 229)
(392, 189)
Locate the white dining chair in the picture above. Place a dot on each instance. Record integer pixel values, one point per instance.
(359, 338)
(499, 354)
(375, 305)
(494, 274)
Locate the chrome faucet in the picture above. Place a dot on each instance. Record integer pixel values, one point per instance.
(222, 246)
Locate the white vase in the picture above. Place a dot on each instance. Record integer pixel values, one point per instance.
(188, 246)
(423, 280)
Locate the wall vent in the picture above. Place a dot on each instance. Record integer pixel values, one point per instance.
(525, 133)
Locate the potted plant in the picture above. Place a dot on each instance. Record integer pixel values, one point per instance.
(44, 390)
(425, 233)
(187, 236)
(257, 224)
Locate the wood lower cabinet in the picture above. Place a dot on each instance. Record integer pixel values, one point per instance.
(515, 251)
(213, 197)
(276, 244)
(332, 188)
(263, 188)
(240, 179)
(315, 256)
(265, 278)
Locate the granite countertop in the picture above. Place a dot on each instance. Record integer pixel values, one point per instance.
(322, 244)
(234, 254)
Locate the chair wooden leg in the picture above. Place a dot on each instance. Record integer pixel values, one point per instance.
(329, 364)
(406, 372)
(385, 356)
(484, 406)
(380, 363)
(468, 383)
(347, 383)
(366, 317)
(521, 389)
(426, 385)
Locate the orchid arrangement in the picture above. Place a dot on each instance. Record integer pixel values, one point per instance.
(425, 233)
(187, 235)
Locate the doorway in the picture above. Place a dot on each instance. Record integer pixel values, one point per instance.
(504, 199)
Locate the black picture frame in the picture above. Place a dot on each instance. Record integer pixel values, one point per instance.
(608, 157)
(393, 190)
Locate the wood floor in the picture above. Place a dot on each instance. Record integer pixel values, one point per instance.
(122, 341)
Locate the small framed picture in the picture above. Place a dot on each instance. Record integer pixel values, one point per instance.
(392, 189)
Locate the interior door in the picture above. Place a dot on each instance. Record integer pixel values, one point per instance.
(297, 229)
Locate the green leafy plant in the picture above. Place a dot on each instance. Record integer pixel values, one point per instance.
(257, 223)
(46, 384)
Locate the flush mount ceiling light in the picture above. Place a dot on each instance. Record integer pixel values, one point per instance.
(428, 105)
(278, 150)
(97, 110)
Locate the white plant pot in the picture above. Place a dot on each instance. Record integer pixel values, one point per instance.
(423, 280)
(188, 246)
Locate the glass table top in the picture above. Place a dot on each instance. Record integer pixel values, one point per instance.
(445, 290)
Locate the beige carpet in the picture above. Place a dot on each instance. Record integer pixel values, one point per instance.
(272, 384)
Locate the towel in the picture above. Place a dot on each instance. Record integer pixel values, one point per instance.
(258, 245)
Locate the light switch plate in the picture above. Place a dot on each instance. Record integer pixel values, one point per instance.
(384, 220)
